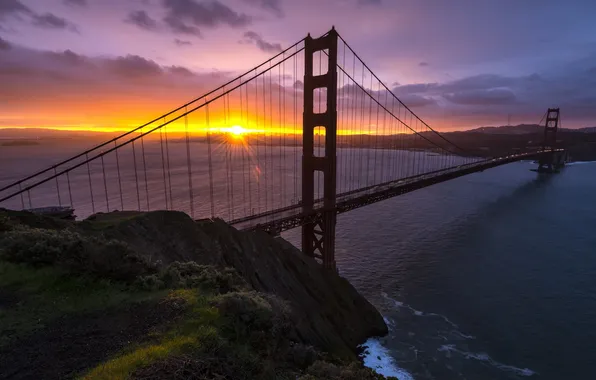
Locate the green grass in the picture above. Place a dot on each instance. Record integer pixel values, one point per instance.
(43, 294)
(197, 331)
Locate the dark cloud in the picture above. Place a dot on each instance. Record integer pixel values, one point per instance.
(80, 3)
(142, 20)
(133, 66)
(423, 64)
(267, 47)
(179, 70)
(414, 100)
(182, 42)
(414, 88)
(273, 6)
(4, 45)
(187, 16)
(68, 57)
(369, 2)
(13, 8)
(179, 27)
(51, 21)
(482, 97)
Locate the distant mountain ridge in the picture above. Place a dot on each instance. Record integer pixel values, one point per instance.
(522, 129)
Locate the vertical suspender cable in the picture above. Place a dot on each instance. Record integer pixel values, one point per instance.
(105, 183)
(69, 191)
(188, 165)
(136, 176)
(210, 163)
(90, 186)
(119, 178)
(165, 132)
(145, 169)
(58, 189)
(163, 169)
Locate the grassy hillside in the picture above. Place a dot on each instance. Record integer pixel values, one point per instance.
(77, 303)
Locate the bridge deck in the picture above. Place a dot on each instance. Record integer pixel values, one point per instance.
(291, 217)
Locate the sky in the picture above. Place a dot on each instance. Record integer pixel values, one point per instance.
(108, 64)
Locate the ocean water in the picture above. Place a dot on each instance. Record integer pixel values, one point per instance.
(488, 276)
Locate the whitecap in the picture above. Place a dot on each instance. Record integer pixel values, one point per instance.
(378, 358)
(481, 356)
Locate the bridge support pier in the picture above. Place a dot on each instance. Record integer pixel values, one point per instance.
(551, 162)
(318, 236)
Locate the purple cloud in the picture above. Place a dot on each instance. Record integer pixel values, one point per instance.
(79, 3)
(12, 8)
(186, 16)
(273, 6)
(179, 42)
(4, 45)
(267, 47)
(142, 20)
(51, 21)
(482, 97)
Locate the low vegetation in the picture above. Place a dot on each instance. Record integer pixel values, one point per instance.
(176, 321)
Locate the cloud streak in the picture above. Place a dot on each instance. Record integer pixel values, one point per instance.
(142, 20)
(12, 8)
(51, 21)
(267, 47)
(188, 16)
(78, 3)
(273, 6)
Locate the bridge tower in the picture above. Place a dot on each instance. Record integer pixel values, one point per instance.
(318, 233)
(546, 161)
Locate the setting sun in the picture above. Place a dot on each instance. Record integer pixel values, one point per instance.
(237, 130)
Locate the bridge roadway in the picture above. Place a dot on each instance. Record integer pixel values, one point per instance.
(290, 217)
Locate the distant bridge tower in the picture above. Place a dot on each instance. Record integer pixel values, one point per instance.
(318, 233)
(551, 160)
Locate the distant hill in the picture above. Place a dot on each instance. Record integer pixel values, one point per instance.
(587, 130)
(523, 129)
(42, 133)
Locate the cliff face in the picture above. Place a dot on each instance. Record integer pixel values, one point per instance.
(326, 309)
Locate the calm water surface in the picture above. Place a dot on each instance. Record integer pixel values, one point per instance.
(489, 276)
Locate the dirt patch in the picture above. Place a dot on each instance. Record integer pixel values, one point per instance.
(8, 299)
(73, 344)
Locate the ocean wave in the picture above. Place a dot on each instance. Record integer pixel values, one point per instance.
(487, 359)
(378, 358)
(579, 163)
(419, 313)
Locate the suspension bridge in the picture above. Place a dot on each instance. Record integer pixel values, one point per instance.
(293, 142)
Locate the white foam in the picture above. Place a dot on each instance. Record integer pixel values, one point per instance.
(579, 163)
(419, 313)
(390, 324)
(377, 357)
(481, 356)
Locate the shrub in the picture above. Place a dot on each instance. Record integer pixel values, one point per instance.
(179, 275)
(301, 355)
(5, 223)
(261, 321)
(68, 249)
